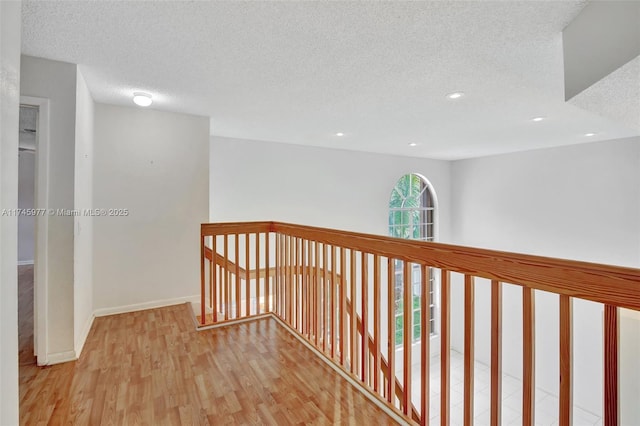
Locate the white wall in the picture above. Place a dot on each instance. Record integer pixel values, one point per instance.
(579, 202)
(9, 104)
(83, 224)
(155, 164)
(257, 180)
(57, 82)
(254, 180)
(26, 200)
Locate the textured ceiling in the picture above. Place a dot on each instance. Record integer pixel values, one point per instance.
(298, 72)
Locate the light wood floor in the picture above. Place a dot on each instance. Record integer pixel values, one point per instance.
(152, 367)
(25, 315)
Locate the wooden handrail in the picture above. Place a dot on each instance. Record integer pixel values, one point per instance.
(612, 285)
(229, 228)
(607, 284)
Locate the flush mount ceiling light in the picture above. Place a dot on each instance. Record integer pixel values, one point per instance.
(536, 119)
(589, 134)
(339, 134)
(413, 144)
(455, 95)
(142, 99)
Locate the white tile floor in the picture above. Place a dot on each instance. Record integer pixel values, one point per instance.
(546, 405)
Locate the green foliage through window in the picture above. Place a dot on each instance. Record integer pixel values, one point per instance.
(411, 216)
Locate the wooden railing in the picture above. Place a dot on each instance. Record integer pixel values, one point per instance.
(341, 291)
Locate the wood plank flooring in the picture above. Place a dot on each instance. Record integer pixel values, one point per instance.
(152, 367)
(25, 315)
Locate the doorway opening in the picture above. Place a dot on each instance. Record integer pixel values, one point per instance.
(26, 231)
(32, 216)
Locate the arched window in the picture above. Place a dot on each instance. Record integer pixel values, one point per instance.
(412, 215)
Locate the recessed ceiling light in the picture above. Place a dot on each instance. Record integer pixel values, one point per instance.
(142, 99)
(413, 144)
(455, 95)
(339, 134)
(536, 119)
(589, 134)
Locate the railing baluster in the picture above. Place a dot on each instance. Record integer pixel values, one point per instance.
(226, 277)
(364, 293)
(611, 362)
(407, 312)
(247, 267)
(309, 266)
(296, 283)
(469, 348)
(258, 238)
(304, 278)
(445, 344)
(333, 301)
(276, 277)
(300, 288)
(267, 272)
(236, 304)
(354, 323)
(221, 287)
(528, 353)
(214, 274)
(496, 353)
(202, 284)
(343, 307)
(425, 335)
(285, 279)
(566, 360)
(376, 323)
(391, 331)
(316, 284)
(212, 266)
(324, 300)
(287, 282)
(281, 276)
(293, 281)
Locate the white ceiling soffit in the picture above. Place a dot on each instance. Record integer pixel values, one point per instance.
(299, 72)
(616, 96)
(601, 39)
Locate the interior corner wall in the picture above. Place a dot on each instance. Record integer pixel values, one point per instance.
(56, 81)
(83, 223)
(151, 179)
(9, 107)
(578, 202)
(348, 190)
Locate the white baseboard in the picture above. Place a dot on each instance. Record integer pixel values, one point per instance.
(60, 357)
(83, 336)
(25, 262)
(145, 305)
